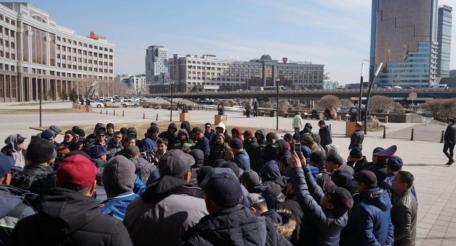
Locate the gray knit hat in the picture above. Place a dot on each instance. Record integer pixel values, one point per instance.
(118, 176)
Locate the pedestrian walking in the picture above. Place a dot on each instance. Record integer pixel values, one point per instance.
(449, 141)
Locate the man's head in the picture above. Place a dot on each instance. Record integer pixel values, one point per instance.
(250, 180)
(176, 163)
(307, 139)
(450, 121)
(117, 137)
(359, 126)
(394, 164)
(333, 162)
(118, 176)
(365, 180)
(6, 163)
(197, 133)
(258, 204)
(220, 139)
(220, 128)
(271, 138)
(68, 136)
(248, 135)
(77, 172)
(101, 135)
(132, 152)
(99, 152)
(222, 189)
(152, 132)
(129, 141)
(162, 146)
(110, 128)
(339, 200)
(172, 128)
(375, 152)
(236, 145)
(16, 141)
(321, 123)
(40, 151)
(355, 155)
(317, 159)
(208, 127)
(48, 135)
(402, 182)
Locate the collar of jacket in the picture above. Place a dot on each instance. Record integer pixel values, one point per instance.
(371, 193)
(167, 186)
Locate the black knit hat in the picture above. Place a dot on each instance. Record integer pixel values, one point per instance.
(40, 150)
(342, 200)
(367, 177)
(356, 153)
(223, 189)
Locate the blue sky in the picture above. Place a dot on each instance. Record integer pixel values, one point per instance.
(331, 32)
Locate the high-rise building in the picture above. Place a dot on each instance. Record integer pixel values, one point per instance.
(404, 39)
(208, 72)
(445, 23)
(157, 71)
(37, 55)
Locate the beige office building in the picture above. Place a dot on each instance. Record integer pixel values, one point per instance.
(36, 53)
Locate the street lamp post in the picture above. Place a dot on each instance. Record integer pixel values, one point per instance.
(371, 83)
(277, 105)
(360, 98)
(171, 106)
(40, 93)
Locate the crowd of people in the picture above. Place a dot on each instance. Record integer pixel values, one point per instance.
(191, 186)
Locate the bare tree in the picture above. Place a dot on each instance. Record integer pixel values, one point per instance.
(329, 102)
(380, 104)
(346, 103)
(442, 109)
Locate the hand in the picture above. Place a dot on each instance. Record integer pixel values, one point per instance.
(302, 158)
(295, 161)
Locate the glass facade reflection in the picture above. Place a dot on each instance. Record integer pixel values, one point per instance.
(404, 39)
(444, 39)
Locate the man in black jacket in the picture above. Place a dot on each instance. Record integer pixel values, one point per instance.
(357, 138)
(229, 223)
(68, 215)
(325, 134)
(450, 140)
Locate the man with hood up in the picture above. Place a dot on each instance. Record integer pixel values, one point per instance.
(170, 135)
(15, 148)
(70, 215)
(184, 142)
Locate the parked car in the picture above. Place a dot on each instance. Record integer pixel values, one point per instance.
(97, 104)
(130, 103)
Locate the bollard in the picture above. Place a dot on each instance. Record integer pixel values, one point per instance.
(114, 112)
(330, 127)
(144, 115)
(442, 137)
(106, 112)
(413, 133)
(156, 117)
(101, 111)
(123, 113)
(384, 132)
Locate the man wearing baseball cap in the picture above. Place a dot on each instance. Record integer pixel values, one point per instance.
(13, 201)
(169, 206)
(68, 214)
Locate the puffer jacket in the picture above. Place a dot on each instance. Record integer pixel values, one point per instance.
(37, 178)
(13, 207)
(117, 206)
(370, 219)
(242, 159)
(356, 140)
(165, 211)
(171, 137)
(233, 226)
(327, 225)
(325, 136)
(403, 215)
(185, 145)
(70, 218)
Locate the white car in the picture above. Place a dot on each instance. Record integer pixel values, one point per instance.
(97, 104)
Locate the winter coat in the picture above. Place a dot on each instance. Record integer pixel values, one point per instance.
(18, 156)
(114, 148)
(404, 216)
(325, 136)
(233, 226)
(117, 206)
(356, 140)
(328, 226)
(13, 207)
(209, 135)
(148, 145)
(370, 219)
(217, 152)
(165, 211)
(450, 135)
(242, 159)
(358, 165)
(143, 168)
(297, 122)
(291, 204)
(171, 137)
(67, 217)
(185, 145)
(203, 145)
(37, 178)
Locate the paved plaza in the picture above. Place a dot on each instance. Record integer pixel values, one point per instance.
(435, 183)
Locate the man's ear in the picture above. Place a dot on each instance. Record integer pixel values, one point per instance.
(188, 176)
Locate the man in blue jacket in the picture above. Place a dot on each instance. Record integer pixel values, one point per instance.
(241, 157)
(370, 219)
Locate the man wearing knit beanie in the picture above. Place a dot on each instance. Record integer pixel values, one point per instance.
(118, 179)
(70, 213)
(38, 175)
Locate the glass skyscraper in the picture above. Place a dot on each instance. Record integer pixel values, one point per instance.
(444, 39)
(404, 39)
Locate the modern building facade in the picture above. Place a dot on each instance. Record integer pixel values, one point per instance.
(445, 24)
(157, 70)
(207, 72)
(137, 84)
(37, 55)
(404, 39)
